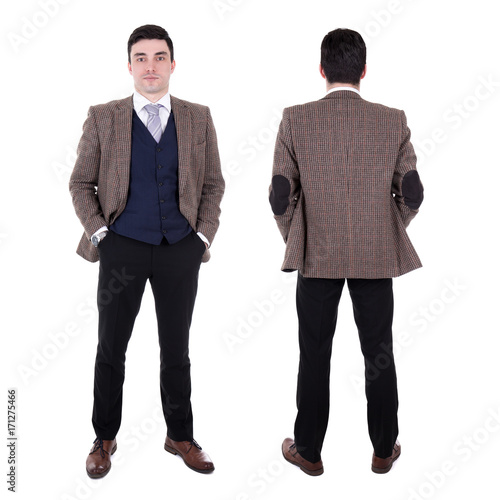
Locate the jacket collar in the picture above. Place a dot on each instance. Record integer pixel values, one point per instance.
(342, 94)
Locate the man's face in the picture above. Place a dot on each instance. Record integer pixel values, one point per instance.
(151, 68)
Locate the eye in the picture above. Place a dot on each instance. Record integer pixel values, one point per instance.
(140, 59)
(161, 58)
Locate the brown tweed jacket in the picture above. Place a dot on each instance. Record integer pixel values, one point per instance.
(100, 180)
(344, 189)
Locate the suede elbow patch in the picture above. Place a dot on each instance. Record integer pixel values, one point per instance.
(280, 194)
(412, 190)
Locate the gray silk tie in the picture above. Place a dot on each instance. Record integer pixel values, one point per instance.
(154, 122)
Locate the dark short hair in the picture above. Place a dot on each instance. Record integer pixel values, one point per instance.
(343, 56)
(150, 32)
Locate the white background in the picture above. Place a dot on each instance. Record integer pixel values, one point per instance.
(247, 59)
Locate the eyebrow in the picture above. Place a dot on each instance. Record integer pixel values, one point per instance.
(162, 53)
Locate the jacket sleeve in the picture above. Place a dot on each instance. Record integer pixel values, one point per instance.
(83, 180)
(285, 184)
(407, 189)
(213, 186)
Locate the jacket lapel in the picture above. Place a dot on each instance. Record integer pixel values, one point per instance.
(183, 128)
(123, 135)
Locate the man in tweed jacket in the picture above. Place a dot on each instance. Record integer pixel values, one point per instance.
(344, 189)
(147, 186)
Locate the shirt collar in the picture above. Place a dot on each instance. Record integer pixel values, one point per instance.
(140, 101)
(335, 89)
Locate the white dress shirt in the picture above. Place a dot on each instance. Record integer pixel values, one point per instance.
(140, 101)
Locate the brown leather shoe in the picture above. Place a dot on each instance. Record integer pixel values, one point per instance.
(99, 459)
(192, 454)
(383, 465)
(291, 455)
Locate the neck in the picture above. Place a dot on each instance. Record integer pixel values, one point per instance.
(330, 86)
(153, 97)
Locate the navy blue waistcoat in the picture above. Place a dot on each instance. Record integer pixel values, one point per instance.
(152, 210)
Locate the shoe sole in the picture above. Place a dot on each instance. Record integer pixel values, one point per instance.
(175, 452)
(102, 474)
(302, 468)
(385, 470)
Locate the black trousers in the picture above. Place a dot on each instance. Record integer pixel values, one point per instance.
(125, 267)
(317, 305)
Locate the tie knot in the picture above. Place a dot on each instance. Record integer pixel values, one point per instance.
(153, 109)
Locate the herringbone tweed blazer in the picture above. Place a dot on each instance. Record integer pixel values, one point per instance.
(344, 189)
(100, 180)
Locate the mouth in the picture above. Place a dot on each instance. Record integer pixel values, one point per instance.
(150, 77)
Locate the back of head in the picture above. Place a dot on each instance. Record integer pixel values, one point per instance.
(343, 56)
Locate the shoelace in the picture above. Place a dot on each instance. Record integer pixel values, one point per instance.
(196, 444)
(98, 445)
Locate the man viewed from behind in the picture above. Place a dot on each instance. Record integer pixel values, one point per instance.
(344, 189)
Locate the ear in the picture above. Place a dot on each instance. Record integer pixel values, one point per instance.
(172, 66)
(322, 71)
(129, 68)
(363, 74)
